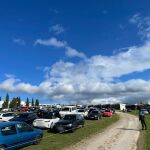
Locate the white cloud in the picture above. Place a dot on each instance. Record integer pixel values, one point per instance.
(70, 52)
(51, 42)
(143, 24)
(57, 29)
(19, 41)
(92, 79)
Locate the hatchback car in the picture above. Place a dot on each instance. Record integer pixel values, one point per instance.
(7, 116)
(70, 122)
(47, 120)
(95, 114)
(14, 135)
(27, 117)
(107, 113)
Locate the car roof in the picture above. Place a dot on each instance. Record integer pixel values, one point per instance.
(2, 124)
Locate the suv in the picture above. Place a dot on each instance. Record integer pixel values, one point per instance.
(69, 123)
(67, 110)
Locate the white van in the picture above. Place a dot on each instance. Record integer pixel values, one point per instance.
(68, 110)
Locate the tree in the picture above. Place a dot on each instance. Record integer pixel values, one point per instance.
(32, 102)
(27, 102)
(0, 98)
(19, 102)
(6, 102)
(36, 102)
(13, 103)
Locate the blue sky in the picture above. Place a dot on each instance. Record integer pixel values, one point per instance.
(75, 51)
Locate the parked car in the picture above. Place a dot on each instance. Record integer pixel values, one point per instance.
(83, 112)
(23, 109)
(47, 120)
(14, 135)
(107, 113)
(27, 117)
(70, 122)
(68, 110)
(6, 116)
(95, 114)
(145, 111)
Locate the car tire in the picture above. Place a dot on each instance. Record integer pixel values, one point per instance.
(37, 140)
(2, 147)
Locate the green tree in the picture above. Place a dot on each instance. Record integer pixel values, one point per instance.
(32, 102)
(6, 102)
(0, 98)
(19, 102)
(36, 102)
(27, 102)
(12, 103)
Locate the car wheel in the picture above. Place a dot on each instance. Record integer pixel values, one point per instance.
(2, 147)
(37, 140)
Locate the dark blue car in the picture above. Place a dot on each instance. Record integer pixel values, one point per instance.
(14, 135)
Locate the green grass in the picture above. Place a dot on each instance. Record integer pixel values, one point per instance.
(53, 141)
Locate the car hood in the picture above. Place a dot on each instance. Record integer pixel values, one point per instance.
(64, 122)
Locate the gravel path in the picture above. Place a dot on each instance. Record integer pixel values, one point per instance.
(122, 135)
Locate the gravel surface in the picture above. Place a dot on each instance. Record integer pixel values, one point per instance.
(122, 135)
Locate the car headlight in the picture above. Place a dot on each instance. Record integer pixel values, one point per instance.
(95, 115)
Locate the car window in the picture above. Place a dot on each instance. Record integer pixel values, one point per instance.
(23, 127)
(65, 109)
(69, 117)
(8, 115)
(8, 130)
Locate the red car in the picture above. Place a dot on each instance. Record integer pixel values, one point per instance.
(23, 109)
(107, 113)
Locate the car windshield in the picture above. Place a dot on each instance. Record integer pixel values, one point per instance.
(69, 117)
(48, 116)
(65, 109)
(107, 110)
(22, 115)
(81, 110)
(94, 112)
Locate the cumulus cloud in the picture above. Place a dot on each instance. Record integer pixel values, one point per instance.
(92, 80)
(19, 41)
(56, 29)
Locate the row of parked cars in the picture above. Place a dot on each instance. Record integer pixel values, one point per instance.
(21, 129)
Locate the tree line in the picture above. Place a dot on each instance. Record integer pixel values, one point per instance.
(16, 102)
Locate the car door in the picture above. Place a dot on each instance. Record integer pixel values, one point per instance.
(26, 133)
(10, 136)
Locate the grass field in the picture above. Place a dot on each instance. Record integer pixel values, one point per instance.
(144, 140)
(52, 141)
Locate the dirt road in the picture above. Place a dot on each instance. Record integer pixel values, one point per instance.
(122, 135)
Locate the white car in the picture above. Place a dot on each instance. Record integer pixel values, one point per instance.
(6, 116)
(83, 112)
(48, 120)
(68, 110)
